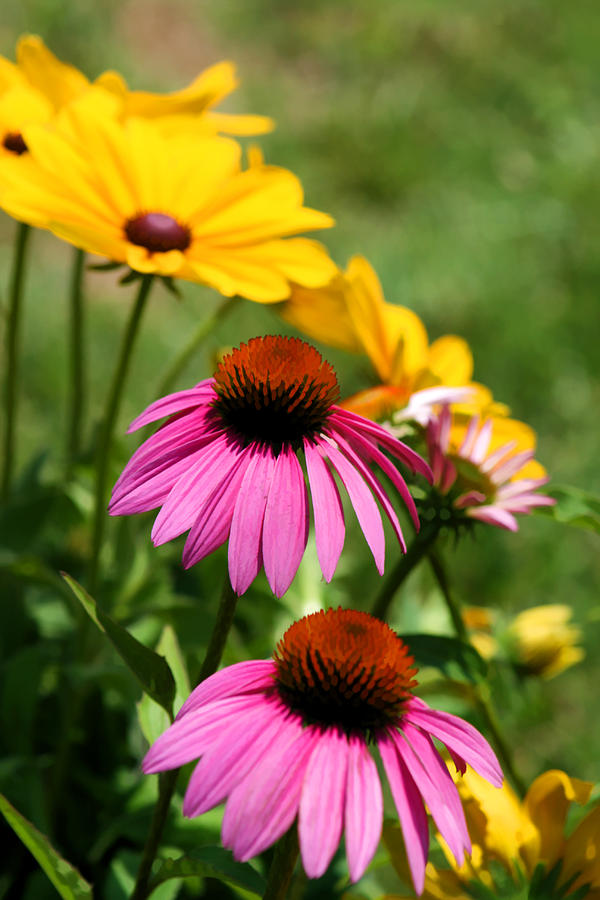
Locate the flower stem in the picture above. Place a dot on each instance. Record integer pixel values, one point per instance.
(107, 425)
(168, 780)
(415, 553)
(12, 347)
(194, 343)
(77, 373)
(282, 866)
(481, 690)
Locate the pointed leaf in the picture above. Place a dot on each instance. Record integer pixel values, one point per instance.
(65, 878)
(151, 670)
(454, 658)
(212, 862)
(152, 717)
(573, 507)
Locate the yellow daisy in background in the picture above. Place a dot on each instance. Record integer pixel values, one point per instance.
(516, 843)
(38, 85)
(544, 640)
(352, 313)
(176, 206)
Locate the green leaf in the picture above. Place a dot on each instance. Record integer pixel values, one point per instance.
(210, 862)
(454, 658)
(152, 718)
(66, 879)
(573, 507)
(151, 670)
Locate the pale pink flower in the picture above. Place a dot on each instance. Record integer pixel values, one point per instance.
(482, 484)
(227, 465)
(291, 738)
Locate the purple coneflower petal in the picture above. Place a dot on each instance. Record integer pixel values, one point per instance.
(241, 678)
(174, 403)
(211, 528)
(321, 813)
(456, 834)
(469, 438)
(497, 456)
(365, 507)
(372, 482)
(364, 808)
(285, 527)
(443, 813)
(481, 443)
(263, 806)
(522, 486)
(409, 805)
(245, 555)
(231, 757)
(189, 737)
(494, 516)
(330, 529)
(506, 470)
(186, 500)
(459, 736)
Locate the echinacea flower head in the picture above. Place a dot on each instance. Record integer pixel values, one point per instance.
(227, 465)
(520, 848)
(480, 480)
(351, 313)
(544, 641)
(177, 205)
(291, 738)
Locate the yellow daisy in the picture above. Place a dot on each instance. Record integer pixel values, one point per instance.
(44, 85)
(176, 206)
(515, 842)
(544, 640)
(352, 313)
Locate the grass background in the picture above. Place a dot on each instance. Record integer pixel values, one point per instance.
(456, 144)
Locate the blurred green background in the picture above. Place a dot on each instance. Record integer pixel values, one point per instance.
(457, 145)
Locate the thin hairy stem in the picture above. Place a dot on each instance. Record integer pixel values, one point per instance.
(77, 360)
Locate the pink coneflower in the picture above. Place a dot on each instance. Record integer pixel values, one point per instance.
(226, 464)
(477, 483)
(292, 737)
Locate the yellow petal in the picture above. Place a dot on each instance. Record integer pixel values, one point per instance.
(321, 313)
(239, 124)
(546, 805)
(57, 81)
(204, 91)
(582, 853)
(451, 360)
(365, 304)
(377, 403)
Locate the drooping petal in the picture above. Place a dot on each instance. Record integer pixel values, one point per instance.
(321, 813)
(240, 678)
(411, 811)
(285, 527)
(232, 757)
(178, 402)
(264, 804)
(190, 737)
(365, 507)
(245, 555)
(493, 516)
(364, 808)
(330, 530)
(459, 736)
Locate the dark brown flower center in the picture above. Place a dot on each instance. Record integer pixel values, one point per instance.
(13, 141)
(275, 390)
(157, 232)
(343, 667)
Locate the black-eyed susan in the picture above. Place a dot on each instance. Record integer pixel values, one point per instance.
(520, 849)
(352, 313)
(177, 205)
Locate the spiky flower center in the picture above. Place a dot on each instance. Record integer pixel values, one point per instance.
(275, 390)
(343, 667)
(14, 143)
(157, 232)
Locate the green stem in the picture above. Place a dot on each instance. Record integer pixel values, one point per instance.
(195, 342)
(282, 866)
(415, 553)
(12, 347)
(481, 690)
(77, 368)
(105, 437)
(168, 780)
